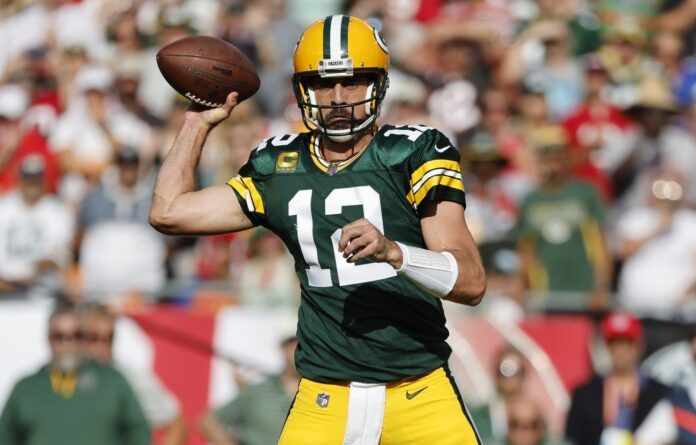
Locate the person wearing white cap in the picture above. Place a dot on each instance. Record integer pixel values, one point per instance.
(36, 231)
(95, 124)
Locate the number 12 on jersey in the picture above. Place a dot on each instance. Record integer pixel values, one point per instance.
(300, 206)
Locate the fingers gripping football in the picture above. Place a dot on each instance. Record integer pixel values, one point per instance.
(360, 239)
(213, 116)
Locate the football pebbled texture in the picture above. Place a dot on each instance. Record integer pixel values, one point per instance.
(206, 69)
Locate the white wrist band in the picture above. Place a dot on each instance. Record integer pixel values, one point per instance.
(433, 271)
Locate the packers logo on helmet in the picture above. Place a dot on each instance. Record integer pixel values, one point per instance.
(340, 46)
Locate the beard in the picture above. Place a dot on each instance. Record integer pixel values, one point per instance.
(340, 119)
(67, 363)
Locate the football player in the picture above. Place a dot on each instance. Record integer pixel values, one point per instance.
(374, 218)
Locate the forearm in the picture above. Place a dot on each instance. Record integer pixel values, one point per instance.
(176, 177)
(435, 271)
(470, 286)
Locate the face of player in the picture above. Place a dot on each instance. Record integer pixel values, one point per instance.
(98, 336)
(64, 338)
(341, 91)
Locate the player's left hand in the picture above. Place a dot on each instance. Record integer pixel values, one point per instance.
(360, 239)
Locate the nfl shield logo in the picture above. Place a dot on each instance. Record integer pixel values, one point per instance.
(322, 400)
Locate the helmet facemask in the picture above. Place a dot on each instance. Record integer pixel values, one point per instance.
(315, 115)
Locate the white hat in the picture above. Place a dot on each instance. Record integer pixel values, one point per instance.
(406, 88)
(94, 77)
(14, 101)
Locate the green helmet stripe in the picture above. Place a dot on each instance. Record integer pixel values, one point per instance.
(344, 35)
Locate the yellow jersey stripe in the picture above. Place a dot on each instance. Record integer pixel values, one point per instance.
(435, 181)
(418, 174)
(255, 195)
(239, 187)
(247, 190)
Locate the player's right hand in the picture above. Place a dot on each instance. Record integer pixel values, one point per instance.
(212, 116)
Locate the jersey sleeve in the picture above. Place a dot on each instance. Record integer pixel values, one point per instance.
(248, 185)
(435, 172)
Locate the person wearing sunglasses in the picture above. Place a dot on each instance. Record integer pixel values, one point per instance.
(161, 407)
(526, 424)
(72, 400)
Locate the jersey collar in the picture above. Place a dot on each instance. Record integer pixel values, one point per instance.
(323, 164)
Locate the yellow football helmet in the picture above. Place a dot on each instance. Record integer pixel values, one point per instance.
(340, 46)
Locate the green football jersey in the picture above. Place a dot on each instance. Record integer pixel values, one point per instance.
(357, 322)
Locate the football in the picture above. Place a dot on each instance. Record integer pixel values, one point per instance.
(206, 69)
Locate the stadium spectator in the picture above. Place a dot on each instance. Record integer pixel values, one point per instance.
(671, 420)
(596, 129)
(526, 424)
(657, 243)
(21, 136)
(611, 407)
(456, 80)
(36, 230)
(14, 101)
(256, 415)
(72, 400)
(491, 210)
(161, 408)
(94, 125)
(113, 218)
(275, 34)
(492, 419)
(554, 72)
(656, 146)
(153, 91)
(623, 52)
(561, 237)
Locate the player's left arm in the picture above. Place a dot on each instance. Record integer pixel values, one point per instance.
(445, 230)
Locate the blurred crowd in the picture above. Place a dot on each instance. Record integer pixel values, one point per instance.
(575, 119)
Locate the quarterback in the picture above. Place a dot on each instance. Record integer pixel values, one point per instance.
(374, 218)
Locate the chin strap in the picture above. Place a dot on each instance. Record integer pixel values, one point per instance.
(433, 271)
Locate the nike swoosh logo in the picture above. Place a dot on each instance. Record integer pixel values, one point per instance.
(441, 150)
(410, 395)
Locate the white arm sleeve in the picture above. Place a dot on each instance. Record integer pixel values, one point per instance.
(433, 271)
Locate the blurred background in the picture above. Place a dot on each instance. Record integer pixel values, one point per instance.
(576, 123)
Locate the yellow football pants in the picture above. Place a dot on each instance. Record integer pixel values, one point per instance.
(424, 410)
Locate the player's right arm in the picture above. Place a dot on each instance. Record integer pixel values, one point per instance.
(177, 207)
